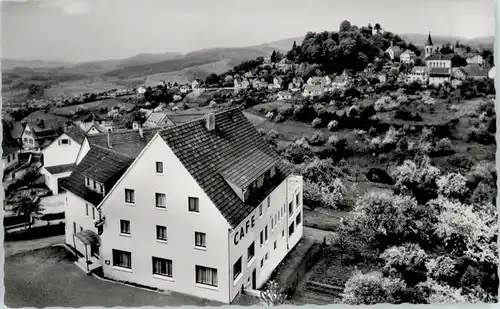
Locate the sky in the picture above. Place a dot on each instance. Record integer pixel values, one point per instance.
(88, 30)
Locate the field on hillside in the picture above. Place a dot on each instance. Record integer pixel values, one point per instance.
(73, 88)
(109, 104)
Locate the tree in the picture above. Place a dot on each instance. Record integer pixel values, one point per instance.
(30, 177)
(213, 79)
(372, 288)
(28, 206)
(345, 26)
(273, 295)
(139, 117)
(273, 56)
(377, 27)
(407, 261)
(458, 61)
(452, 185)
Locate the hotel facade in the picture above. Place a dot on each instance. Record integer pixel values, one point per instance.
(205, 208)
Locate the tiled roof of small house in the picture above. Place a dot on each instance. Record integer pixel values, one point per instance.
(207, 154)
(474, 70)
(101, 164)
(57, 169)
(76, 134)
(127, 142)
(440, 72)
(419, 69)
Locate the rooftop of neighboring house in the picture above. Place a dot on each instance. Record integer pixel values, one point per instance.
(440, 57)
(474, 70)
(9, 145)
(76, 134)
(39, 122)
(157, 118)
(128, 142)
(58, 169)
(440, 72)
(314, 88)
(395, 49)
(98, 127)
(407, 51)
(473, 56)
(17, 129)
(101, 164)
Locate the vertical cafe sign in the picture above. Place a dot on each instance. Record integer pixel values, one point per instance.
(245, 227)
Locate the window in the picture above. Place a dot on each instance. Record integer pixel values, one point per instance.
(272, 223)
(64, 141)
(297, 199)
(206, 275)
(262, 263)
(251, 252)
(283, 233)
(265, 232)
(8, 159)
(74, 227)
(291, 229)
(159, 167)
(299, 219)
(261, 238)
(200, 239)
(290, 208)
(87, 210)
(125, 227)
(88, 181)
(260, 210)
(161, 232)
(267, 175)
(268, 201)
(161, 200)
(94, 184)
(129, 196)
(122, 259)
(93, 213)
(275, 244)
(99, 188)
(194, 204)
(237, 269)
(265, 257)
(81, 229)
(162, 267)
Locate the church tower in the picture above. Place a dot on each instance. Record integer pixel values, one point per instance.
(429, 47)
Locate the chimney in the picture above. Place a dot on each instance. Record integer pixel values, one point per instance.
(141, 132)
(392, 43)
(210, 121)
(109, 139)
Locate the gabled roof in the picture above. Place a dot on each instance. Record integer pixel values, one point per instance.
(407, 51)
(206, 154)
(108, 163)
(157, 118)
(127, 142)
(57, 169)
(419, 69)
(475, 70)
(76, 134)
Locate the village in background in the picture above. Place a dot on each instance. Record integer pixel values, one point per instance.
(372, 156)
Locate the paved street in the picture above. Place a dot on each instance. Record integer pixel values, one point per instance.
(46, 278)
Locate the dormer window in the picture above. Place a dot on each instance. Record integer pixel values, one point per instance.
(94, 185)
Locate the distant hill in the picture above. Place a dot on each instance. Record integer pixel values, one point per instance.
(281, 45)
(147, 58)
(421, 39)
(8, 64)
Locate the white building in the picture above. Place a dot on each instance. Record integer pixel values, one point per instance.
(476, 59)
(193, 212)
(418, 74)
(439, 76)
(60, 156)
(407, 56)
(439, 61)
(492, 73)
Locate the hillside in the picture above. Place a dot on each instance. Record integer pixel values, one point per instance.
(420, 39)
(8, 64)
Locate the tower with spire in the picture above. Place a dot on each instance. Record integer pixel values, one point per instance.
(429, 47)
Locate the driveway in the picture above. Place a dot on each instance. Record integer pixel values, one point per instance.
(47, 278)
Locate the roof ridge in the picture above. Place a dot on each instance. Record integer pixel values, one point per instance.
(181, 125)
(111, 150)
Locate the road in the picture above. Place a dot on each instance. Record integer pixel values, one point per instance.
(16, 247)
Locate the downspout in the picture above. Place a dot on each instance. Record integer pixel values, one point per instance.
(86, 258)
(286, 213)
(229, 266)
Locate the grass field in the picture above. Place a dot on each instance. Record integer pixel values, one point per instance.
(73, 88)
(109, 103)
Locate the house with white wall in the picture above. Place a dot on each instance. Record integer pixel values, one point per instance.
(60, 156)
(418, 74)
(439, 61)
(10, 154)
(194, 212)
(439, 76)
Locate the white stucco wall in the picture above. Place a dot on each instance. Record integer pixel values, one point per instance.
(56, 154)
(85, 147)
(28, 139)
(181, 225)
(278, 202)
(51, 180)
(75, 213)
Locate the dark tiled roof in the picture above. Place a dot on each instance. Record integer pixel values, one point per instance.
(440, 72)
(57, 169)
(97, 158)
(206, 153)
(440, 57)
(475, 70)
(127, 142)
(247, 168)
(76, 134)
(429, 40)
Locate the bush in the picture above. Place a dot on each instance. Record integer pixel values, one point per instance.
(279, 118)
(379, 175)
(296, 154)
(317, 139)
(316, 123)
(332, 125)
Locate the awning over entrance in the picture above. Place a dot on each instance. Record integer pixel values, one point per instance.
(88, 237)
